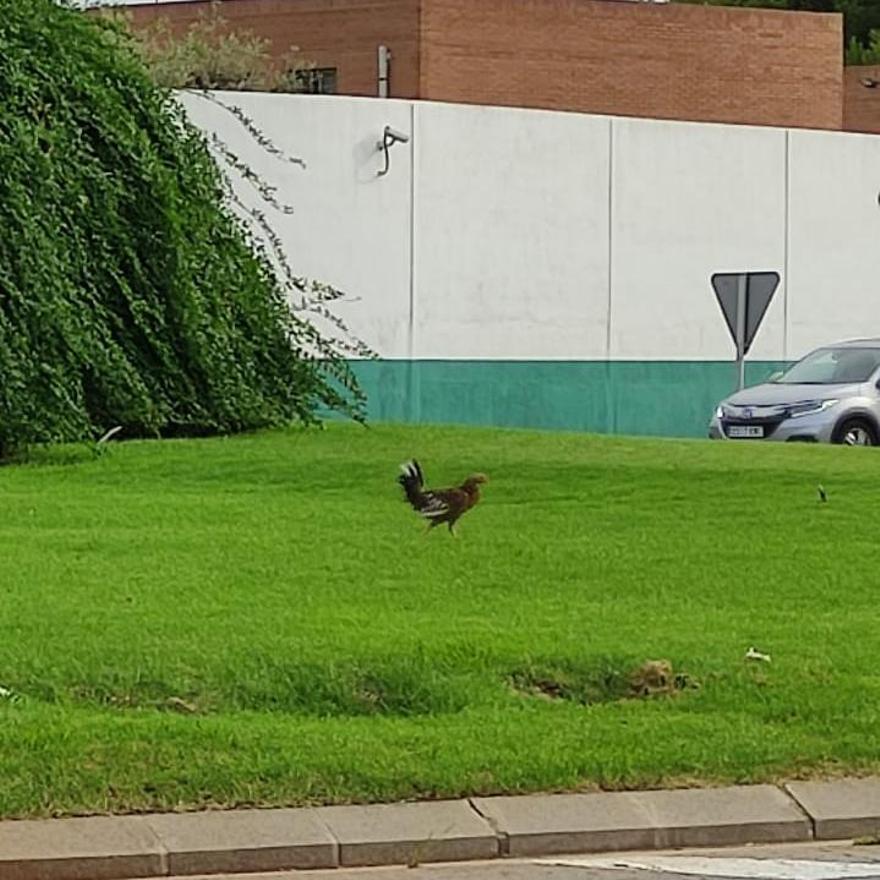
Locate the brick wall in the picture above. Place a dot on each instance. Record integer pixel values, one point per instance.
(861, 106)
(703, 63)
(330, 33)
(638, 59)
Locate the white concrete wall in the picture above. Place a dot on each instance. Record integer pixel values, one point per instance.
(834, 235)
(511, 233)
(350, 228)
(690, 200)
(519, 234)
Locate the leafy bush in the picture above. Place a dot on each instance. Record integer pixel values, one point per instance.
(858, 53)
(130, 293)
(209, 54)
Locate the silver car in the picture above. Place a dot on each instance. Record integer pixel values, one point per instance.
(830, 396)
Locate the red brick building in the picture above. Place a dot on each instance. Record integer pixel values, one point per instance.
(662, 60)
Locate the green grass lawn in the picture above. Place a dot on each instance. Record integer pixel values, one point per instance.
(260, 620)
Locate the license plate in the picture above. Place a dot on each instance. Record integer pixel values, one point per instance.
(745, 431)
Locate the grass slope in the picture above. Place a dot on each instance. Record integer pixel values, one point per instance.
(277, 586)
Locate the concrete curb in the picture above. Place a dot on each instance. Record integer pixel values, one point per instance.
(251, 841)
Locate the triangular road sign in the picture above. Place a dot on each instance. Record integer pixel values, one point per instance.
(759, 290)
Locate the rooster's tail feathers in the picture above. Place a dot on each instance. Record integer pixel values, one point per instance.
(412, 480)
(411, 472)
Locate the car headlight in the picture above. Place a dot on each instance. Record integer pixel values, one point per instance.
(719, 412)
(811, 408)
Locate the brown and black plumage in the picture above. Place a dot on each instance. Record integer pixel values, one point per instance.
(439, 505)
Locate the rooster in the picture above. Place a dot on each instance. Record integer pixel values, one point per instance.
(439, 505)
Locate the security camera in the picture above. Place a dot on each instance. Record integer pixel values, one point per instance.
(393, 136)
(390, 137)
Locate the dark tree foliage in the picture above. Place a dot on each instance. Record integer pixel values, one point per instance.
(129, 293)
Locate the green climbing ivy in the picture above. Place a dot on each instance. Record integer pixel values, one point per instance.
(130, 293)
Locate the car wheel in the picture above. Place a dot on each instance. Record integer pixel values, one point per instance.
(856, 432)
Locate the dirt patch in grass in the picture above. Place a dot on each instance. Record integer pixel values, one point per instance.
(390, 687)
(604, 681)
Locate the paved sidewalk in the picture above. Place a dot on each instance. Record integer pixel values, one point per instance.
(251, 841)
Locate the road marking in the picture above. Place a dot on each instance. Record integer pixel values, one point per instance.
(747, 869)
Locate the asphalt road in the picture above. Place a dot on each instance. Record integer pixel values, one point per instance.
(778, 862)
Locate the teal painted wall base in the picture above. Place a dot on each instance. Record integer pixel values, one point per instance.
(662, 398)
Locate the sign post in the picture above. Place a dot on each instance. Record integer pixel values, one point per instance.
(744, 298)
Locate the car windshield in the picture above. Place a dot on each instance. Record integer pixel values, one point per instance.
(833, 366)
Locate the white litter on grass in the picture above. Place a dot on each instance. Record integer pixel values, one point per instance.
(754, 654)
(748, 869)
(8, 695)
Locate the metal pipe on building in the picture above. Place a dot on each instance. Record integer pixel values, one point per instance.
(384, 58)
